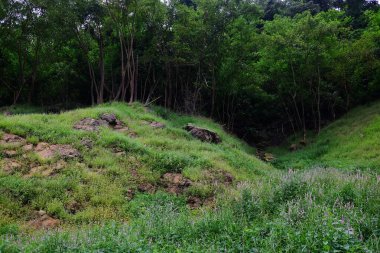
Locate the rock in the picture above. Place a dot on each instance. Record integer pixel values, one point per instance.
(88, 143)
(73, 207)
(89, 124)
(146, 187)
(60, 165)
(130, 194)
(44, 151)
(264, 156)
(40, 170)
(293, 147)
(203, 134)
(27, 148)
(7, 113)
(175, 183)
(303, 143)
(44, 221)
(155, 124)
(132, 135)
(10, 153)
(194, 202)
(228, 178)
(66, 151)
(47, 151)
(9, 165)
(110, 118)
(11, 139)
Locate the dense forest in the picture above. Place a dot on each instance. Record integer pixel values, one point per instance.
(264, 68)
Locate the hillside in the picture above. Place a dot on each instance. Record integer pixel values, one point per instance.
(99, 171)
(143, 183)
(352, 141)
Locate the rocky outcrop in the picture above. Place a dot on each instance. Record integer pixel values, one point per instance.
(91, 125)
(106, 119)
(46, 151)
(203, 134)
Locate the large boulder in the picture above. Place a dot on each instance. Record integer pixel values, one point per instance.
(203, 134)
(110, 118)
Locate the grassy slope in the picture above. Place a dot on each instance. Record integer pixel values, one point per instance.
(101, 181)
(265, 210)
(350, 142)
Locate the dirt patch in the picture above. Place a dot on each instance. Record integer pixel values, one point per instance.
(46, 151)
(203, 134)
(175, 183)
(44, 221)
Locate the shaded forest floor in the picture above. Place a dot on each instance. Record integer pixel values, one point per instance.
(144, 184)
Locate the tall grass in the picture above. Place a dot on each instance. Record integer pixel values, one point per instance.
(321, 210)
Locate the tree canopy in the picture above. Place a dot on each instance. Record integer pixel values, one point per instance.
(264, 68)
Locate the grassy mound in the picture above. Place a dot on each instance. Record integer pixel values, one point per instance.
(101, 185)
(350, 142)
(113, 198)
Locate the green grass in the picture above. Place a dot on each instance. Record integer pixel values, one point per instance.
(100, 180)
(263, 210)
(320, 210)
(351, 142)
